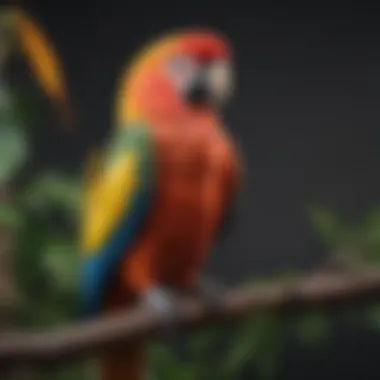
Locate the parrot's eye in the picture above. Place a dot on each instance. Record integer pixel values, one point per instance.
(183, 69)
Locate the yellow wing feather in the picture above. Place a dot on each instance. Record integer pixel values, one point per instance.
(100, 215)
(43, 60)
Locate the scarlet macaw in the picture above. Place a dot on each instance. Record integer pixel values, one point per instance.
(155, 201)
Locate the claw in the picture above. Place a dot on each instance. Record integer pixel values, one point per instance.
(163, 302)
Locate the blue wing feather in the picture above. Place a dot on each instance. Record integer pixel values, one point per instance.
(97, 268)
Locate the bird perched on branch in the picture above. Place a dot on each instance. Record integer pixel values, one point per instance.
(162, 192)
(158, 196)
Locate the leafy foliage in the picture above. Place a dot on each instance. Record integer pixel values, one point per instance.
(43, 213)
(358, 245)
(313, 329)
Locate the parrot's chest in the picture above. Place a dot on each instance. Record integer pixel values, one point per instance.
(190, 166)
(189, 203)
(189, 162)
(191, 193)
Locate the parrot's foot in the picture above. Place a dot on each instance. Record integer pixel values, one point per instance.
(163, 302)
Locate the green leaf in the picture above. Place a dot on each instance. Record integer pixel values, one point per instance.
(163, 362)
(201, 342)
(372, 317)
(268, 353)
(372, 219)
(327, 225)
(10, 216)
(260, 338)
(370, 236)
(91, 370)
(61, 262)
(13, 151)
(241, 349)
(69, 371)
(165, 365)
(313, 329)
(27, 105)
(54, 189)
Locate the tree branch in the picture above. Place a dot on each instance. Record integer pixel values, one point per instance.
(318, 291)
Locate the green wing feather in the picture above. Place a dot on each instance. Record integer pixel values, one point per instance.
(117, 202)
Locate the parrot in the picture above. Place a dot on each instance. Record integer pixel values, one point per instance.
(163, 191)
(156, 198)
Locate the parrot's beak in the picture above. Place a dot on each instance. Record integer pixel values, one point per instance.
(198, 92)
(212, 86)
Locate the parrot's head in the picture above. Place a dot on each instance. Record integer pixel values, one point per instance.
(181, 73)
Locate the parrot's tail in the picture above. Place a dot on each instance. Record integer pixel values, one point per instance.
(128, 363)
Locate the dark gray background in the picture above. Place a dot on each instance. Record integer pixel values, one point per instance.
(306, 115)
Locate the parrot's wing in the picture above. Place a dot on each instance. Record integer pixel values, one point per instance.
(116, 203)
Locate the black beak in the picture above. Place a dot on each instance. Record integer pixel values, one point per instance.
(198, 92)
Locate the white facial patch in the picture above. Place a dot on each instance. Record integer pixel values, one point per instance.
(221, 80)
(183, 69)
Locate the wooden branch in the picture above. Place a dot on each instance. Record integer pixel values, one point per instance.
(317, 291)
